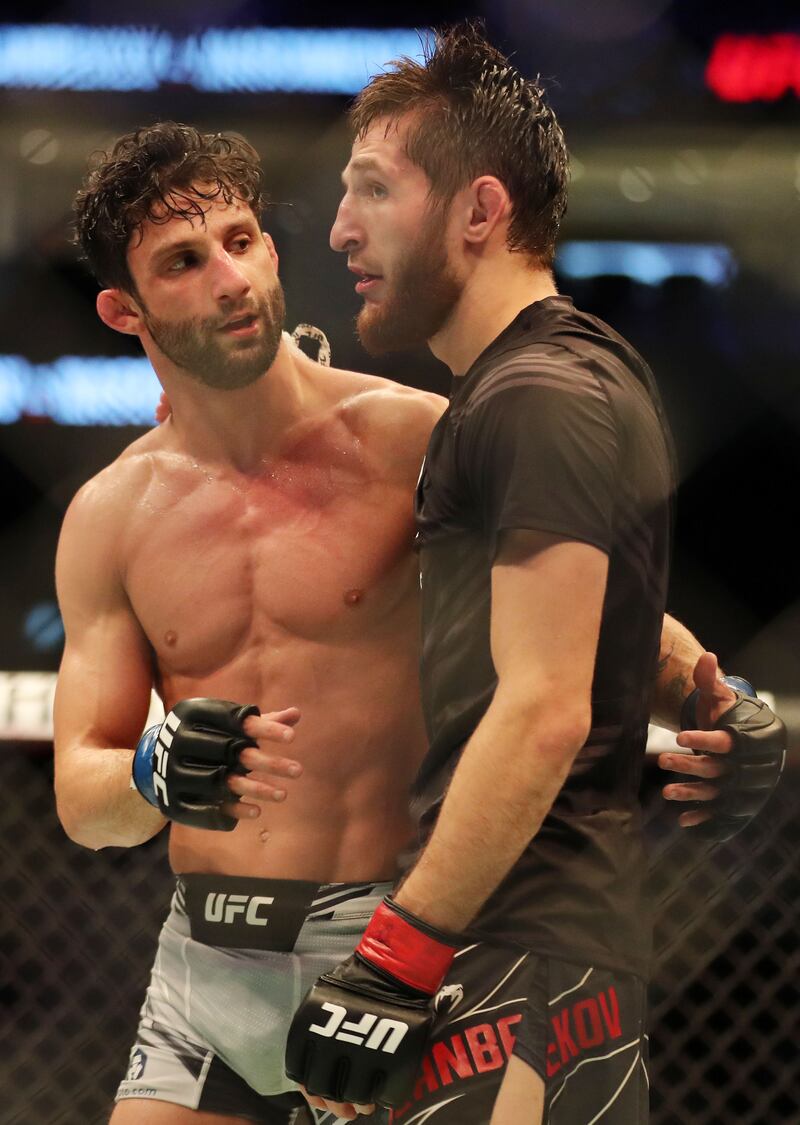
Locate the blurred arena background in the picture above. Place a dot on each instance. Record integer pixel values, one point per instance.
(683, 231)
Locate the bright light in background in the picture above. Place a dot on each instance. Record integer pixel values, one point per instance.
(336, 61)
(748, 68)
(253, 60)
(650, 263)
(54, 57)
(79, 391)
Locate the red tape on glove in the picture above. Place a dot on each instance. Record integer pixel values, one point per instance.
(396, 946)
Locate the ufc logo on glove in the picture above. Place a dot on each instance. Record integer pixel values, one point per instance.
(386, 1035)
(369, 1050)
(166, 733)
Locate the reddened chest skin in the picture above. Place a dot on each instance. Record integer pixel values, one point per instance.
(291, 584)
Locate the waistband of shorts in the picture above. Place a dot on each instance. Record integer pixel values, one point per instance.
(243, 912)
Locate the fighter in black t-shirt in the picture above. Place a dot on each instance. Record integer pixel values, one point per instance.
(557, 428)
(503, 982)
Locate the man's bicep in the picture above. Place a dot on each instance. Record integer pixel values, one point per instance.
(547, 599)
(106, 673)
(104, 686)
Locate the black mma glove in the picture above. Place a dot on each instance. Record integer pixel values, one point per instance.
(360, 1033)
(182, 765)
(755, 761)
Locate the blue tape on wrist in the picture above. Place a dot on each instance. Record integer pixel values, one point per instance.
(739, 683)
(143, 764)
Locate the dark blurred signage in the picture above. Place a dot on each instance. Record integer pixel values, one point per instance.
(752, 68)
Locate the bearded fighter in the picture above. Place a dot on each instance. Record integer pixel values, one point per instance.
(505, 978)
(253, 554)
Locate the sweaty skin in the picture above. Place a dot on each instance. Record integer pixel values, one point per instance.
(292, 585)
(256, 547)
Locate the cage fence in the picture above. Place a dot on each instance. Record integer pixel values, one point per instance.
(78, 931)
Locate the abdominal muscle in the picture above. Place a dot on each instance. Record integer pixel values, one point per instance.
(292, 587)
(360, 739)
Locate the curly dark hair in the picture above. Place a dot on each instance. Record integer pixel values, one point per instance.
(474, 114)
(155, 173)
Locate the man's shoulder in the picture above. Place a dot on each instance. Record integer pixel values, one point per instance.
(108, 494)
(391, 421)
(377, 402)
(523, 374)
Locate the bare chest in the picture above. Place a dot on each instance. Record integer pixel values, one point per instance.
(220, 566)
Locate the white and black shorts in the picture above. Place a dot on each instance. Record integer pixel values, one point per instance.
(581, 1028)
(235, 958)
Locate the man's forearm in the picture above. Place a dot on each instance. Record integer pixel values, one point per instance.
(678, 654)
(96, 805)
(504, 785)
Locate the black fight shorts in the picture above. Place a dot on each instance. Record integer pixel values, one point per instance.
(581, 1028)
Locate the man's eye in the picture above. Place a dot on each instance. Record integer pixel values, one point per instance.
(377, 191)
(242, 243)
(179, 265)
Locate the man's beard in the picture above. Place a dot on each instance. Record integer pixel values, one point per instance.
(421, 299)
(197, 346)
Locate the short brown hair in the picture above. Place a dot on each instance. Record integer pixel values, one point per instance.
(148, 176)
(474, 115)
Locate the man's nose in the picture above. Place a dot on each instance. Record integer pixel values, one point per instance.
(230, 280)
(346, 234)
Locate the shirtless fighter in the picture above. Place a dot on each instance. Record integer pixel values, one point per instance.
(255, 548)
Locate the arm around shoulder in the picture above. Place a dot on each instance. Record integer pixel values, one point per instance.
(104, 682)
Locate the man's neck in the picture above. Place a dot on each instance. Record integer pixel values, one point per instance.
(244, 428)
(494, 295)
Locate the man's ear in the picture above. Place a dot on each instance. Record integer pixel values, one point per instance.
(119, 311)
(273, 253)
(489, 206)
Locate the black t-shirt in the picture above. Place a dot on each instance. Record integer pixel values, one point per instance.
(556, 427)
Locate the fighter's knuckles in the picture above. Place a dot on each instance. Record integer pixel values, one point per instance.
(342, 1110)
(313, 1100)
